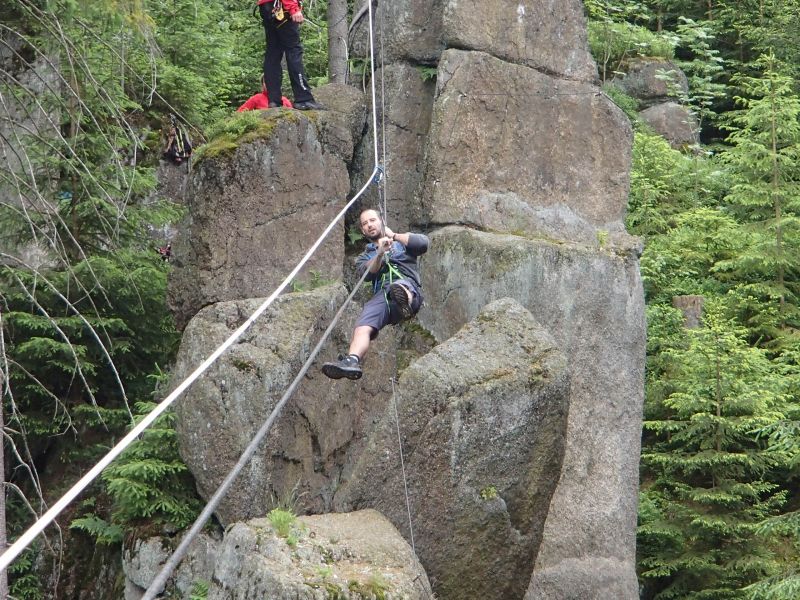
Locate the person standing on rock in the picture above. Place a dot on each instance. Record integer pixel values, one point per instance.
(391, 260)
(282, 20)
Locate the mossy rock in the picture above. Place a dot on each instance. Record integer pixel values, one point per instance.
(227, 135)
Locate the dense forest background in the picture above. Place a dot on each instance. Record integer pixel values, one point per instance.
(85, 338)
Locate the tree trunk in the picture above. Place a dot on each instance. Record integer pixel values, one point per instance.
(692, 309)
(3, 540)
(776, 200)
(337, 41)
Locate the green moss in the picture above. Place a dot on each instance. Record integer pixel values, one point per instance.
(243, 365)
(375, 587)
(334, 591)
(226, 135)
(489, 492)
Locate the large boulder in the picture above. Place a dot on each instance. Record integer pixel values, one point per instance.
(143, 561)
(592, 303)
(653, 81)
(482, 418)
(341, 124)
(549, 35)
(675, 122)
(253, 211)
(319, 432)
(356, 556)
(545, 156)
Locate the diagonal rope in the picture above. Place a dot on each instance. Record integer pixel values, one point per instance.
(161, 579)
(32, 532)
(26, 538)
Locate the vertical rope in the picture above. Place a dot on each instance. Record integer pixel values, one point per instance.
(372, 86)
(403, 468)
(383, 188)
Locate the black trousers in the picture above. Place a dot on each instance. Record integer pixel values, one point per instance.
(283, 37)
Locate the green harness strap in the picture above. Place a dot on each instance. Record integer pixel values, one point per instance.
(392, 273)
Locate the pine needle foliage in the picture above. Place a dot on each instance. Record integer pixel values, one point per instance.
(707, 467)
(149, 482)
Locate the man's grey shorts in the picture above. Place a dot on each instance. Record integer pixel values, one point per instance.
(378, 312)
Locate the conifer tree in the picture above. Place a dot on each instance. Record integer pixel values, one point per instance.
(706, 470)
(764, 163)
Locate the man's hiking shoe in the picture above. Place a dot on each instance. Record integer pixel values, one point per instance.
(309, 105)
(274, 105)
(347, 366)
(399, 295)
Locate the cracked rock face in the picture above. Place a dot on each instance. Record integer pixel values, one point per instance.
(547, 35)
(407, 119)
(251, 216)
(546, 156)
(319, 431)
(592, 304)
(482, 420)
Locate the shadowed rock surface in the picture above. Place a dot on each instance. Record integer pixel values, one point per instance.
(144, 560)
(319, 430)
(482, 419)
(355, 556)
(674, 122)
(407, 119)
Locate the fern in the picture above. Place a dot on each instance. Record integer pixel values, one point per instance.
(99, 529)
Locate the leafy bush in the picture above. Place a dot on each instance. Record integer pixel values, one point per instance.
(628, 104)
(613, 43)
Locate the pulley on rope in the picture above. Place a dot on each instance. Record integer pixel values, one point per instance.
(378, 174)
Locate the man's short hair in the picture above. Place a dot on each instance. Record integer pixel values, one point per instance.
(363, 210)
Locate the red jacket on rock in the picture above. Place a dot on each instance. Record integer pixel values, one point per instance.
(290, 6)
(261, 101)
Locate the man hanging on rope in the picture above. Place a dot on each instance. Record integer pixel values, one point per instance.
(391, 260)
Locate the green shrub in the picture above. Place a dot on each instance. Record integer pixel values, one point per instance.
(612, 44)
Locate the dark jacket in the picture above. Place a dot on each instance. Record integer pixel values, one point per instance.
(403, 258)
